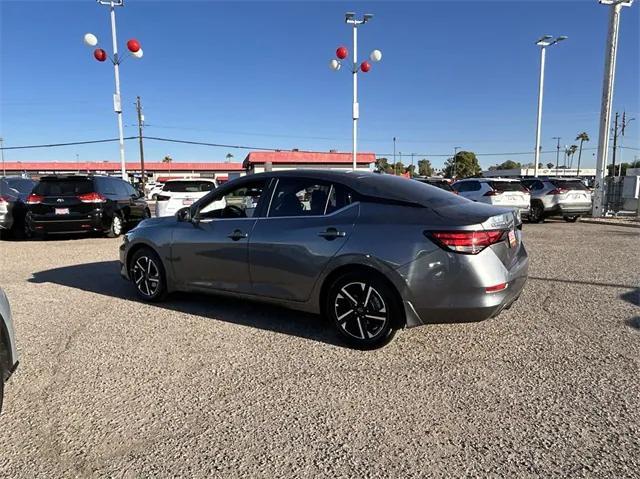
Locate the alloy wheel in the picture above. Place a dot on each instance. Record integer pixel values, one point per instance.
(116, 226)
(360, 310)
(146, 276)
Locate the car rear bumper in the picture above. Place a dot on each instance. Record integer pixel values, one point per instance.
(75, 224)
(570, 209)
(448, 287)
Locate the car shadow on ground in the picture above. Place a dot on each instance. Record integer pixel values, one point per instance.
(104, 278)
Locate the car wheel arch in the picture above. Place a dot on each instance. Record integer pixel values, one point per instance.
(368, 270)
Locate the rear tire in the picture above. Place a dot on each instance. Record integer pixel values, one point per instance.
(364, 310)
(536, 214)
(572, 219)
(117, 226)
(147, 275)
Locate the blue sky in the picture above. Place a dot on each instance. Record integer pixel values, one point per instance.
(456, 73)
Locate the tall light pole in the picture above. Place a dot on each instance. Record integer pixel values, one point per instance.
(101, 55)
(394, 155)
(342, 53)
(607, 96)
(4, 171)
(543, 43)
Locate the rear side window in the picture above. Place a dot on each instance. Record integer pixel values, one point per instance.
(23, 186)
(503, 186)
(188, 186)
(64, 187)
(308, 197)
(467, 186)
(106, 186)
(568, 185)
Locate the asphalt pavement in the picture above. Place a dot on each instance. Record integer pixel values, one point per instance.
(208, 387)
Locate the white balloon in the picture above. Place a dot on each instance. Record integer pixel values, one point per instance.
(335, 64)
(376, 56)
(90, 39)
(137, 54)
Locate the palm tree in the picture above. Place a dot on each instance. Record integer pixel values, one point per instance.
(572, 151)
(228, 157)
(167, 159)
(582, 137)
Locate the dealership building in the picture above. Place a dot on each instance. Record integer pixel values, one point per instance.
(589, 173)
(255, 162)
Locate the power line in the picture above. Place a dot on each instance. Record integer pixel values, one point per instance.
(52, 145)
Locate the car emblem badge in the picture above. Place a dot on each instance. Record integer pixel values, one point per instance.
(60, 200)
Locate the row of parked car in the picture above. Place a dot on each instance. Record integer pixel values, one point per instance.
(87, 203)
(535, 198)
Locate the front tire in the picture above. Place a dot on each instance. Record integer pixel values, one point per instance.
(364, 310)
(536, 214)
(147, 275)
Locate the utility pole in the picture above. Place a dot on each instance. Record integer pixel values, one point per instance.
(615, 144)
(143, 175)
(557, 152)
(411, 170)
(607, 97)
(394, 155)
(4, 171)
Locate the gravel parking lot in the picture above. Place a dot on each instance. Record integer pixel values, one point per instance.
(208, 387)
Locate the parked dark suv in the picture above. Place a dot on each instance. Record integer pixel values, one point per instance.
(84, 203)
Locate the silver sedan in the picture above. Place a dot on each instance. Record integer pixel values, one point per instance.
(8, 351)
(372, 253)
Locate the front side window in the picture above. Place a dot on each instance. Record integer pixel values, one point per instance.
(307, 197)
(240, 202)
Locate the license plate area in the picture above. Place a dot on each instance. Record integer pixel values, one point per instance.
(187, 202)
(61, 211)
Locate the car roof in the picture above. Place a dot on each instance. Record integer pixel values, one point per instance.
(485, 180)
(369, 184)
(211, 180)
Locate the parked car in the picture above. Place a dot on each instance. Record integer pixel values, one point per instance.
(8, 351)
(84, 203)
(14, 190)
(569, 198)
(177, 194)
(152, 190)
(437, 182)
(373, 253)
(495, 191)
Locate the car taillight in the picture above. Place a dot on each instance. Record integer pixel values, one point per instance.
(4, 199)
(34, 199)
(496, 288)
(92, 198)
(163, 198)
(557, 191)
(492, 193)
(469, 242)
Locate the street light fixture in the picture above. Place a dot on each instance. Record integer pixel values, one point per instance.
(101, 55)
(543, 43)
(335, 64)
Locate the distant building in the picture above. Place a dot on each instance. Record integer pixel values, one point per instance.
(521, 172)
(154, 170)
(259, 161)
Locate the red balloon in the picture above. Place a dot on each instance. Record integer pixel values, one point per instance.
(100, 54)
(342, 53)
(133, 45)
(365, 66)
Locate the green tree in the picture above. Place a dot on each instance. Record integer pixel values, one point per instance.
(463, 165)
(550, 165)
(623, 167)
(425, 168)
(411, 169)
(383, 166)
(228, 157)
(582, 137)
(572, 151)
(399, 168)
(167, 159)
(507, 165)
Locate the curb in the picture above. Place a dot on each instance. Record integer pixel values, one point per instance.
(596, 222)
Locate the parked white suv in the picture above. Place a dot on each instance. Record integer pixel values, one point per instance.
(568, 198)
(8, 351)
(177, 194)
(495, 191)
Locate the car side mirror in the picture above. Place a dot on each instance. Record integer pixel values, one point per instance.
(184, 214)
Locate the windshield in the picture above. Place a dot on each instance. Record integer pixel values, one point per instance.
(63, 186)
(568, 184)
(188, 186)
(503, 186)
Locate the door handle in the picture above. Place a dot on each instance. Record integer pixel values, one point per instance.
(237, 235)
(332, 233)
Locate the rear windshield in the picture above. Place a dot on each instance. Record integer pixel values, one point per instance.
(188, 186)
(63, 186)
(502, 186)
(568, 185)
(22, 186)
